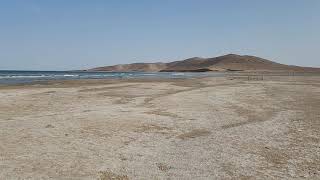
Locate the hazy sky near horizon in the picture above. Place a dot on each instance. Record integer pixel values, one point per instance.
(79, 34)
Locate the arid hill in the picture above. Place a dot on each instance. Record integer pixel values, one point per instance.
(230, 62)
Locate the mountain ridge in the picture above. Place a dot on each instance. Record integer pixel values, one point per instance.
(229, 62)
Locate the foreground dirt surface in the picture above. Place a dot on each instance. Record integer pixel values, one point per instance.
(205, 128)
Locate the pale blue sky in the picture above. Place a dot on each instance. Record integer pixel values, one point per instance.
(79, 34)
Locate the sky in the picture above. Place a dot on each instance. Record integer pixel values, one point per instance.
(81, 34)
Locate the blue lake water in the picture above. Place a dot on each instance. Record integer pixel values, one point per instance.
(20, 77)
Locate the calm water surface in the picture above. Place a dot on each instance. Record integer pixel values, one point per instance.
(20, 77)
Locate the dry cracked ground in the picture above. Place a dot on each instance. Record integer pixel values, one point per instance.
(203, 128)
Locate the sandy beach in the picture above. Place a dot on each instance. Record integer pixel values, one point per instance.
(197, 128)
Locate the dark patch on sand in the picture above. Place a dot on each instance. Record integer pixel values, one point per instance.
(107, 175)
(163, 167)
(194, 134)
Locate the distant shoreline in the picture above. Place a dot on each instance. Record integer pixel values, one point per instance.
(27, 77)
(178, 75)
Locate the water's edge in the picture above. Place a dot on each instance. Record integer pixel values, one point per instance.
(22, 77)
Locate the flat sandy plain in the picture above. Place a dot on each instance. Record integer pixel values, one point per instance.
(202, 128)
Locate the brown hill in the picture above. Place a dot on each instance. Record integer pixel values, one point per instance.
(230, 62)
